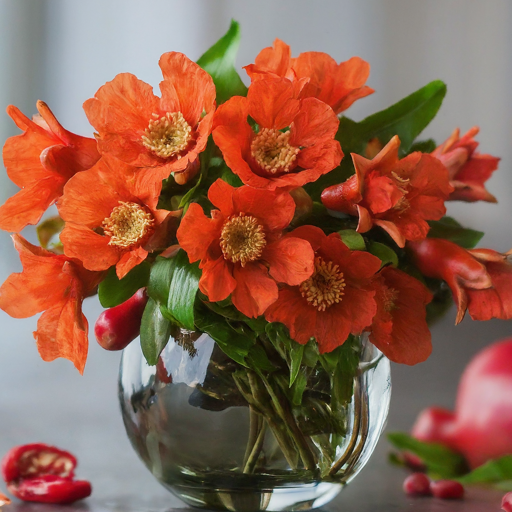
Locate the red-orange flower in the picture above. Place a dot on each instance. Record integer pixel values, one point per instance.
(56, 285)
(111, 219)
(496, 301)
(276, 157)
(338, 85)
(241, 249)
(468, 169)
(397, 195)
(399, 328)
(40, 161)
(337, 300)
(480, 279)
(161, 135)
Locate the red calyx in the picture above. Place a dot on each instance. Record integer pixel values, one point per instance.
(43, 473)
(447, 490)
(117, 327)
(417, 484)
(506, 502)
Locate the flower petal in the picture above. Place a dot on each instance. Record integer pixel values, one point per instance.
(192, 90)
(62, 331)
(291, 260)
(87, 246)
(254, 291)
(217, 282)
(197, 232)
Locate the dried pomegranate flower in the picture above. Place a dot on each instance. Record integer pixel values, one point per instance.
(4, 500)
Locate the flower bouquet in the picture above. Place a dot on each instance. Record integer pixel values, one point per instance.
(267, 248)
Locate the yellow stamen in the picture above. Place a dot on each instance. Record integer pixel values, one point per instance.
(167, 136)
(129, 224)
(242, 239)
(403, 185)
(325, 287)
(389, 299)
(272, 151)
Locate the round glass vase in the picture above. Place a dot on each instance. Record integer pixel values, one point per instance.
(222, 436)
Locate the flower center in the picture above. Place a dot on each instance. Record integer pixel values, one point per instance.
(272, 151)
(129, 224)
(402, 184)
(242, 239)
(167, 136)
(325, 287)
(390, 297)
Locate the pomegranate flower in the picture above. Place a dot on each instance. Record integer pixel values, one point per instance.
(159, 135)
(337, 300)
(338, 85)
(399, 328)
(397, 195)
(241, 249)
(294, 145)
(56, 285)
(480, 279)
(40, 161)
(468, 169)
(111, 219)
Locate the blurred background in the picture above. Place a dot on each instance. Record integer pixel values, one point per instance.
(62, 51)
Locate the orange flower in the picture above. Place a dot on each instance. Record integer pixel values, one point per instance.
(468, 169)
(338, 85)
(275, 157)
(161, 135)
(397, 195)
(494, 302)
(40, 161)
(337, 300)
(56, 285)
(480, 279)
(241, 249)
(111, 219)
(399, 328)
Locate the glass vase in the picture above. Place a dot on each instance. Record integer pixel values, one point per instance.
(220, 435)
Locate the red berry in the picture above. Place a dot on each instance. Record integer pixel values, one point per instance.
(506, 502)
(447, 490)
(417, 484)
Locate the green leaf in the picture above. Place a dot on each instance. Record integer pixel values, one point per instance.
(296, 353)
(219, 61)
(352, 239)
(155, 331)
(258, 359)
(492, 472)
(440, 461)
(233, 344)
(407, 118)
(160, 279)
(48, 229)
(450, 229)
(424, 146)
(183, 287)
(299, 386)
(345, 370)
(384, 253)
(113, 291)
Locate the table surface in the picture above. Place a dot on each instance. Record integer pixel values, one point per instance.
(50, 402)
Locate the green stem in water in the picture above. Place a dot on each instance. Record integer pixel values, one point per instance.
(256, 449)
(254, 428)
(282, 408)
